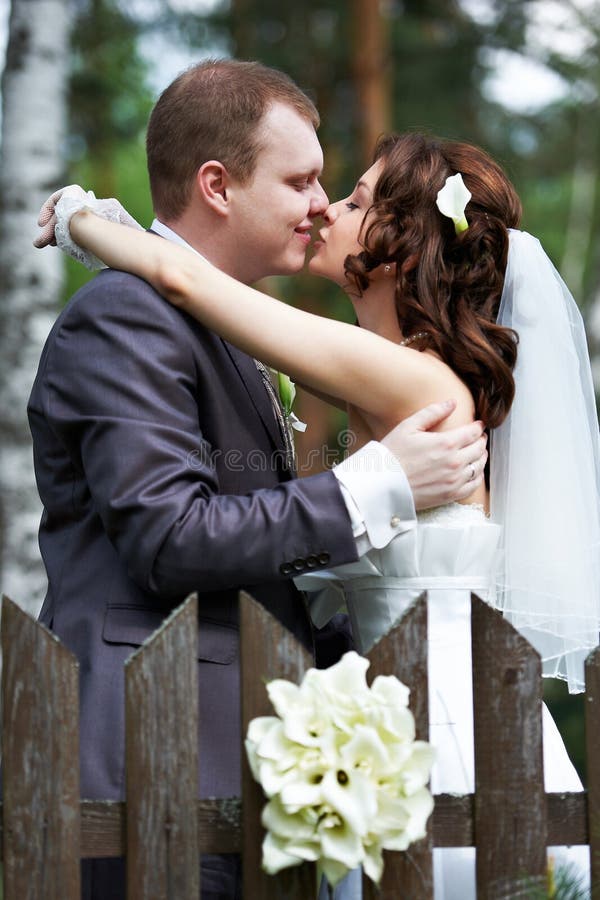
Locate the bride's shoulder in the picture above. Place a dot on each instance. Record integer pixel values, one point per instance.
(422, 380)
(438, 381)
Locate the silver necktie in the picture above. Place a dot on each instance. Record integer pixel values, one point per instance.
(283, 421)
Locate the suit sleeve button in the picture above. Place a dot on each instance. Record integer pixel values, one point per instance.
(311, 561)
(299, 564)
(286, 568)
(323, 558)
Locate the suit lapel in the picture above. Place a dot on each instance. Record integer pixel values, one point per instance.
(256, 390)
(252, 379)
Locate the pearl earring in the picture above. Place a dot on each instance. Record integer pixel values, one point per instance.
(387, 269)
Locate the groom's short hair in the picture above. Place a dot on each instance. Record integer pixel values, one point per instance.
(213, 110)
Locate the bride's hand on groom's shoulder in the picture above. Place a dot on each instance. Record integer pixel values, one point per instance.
(441, 466)
(65, 202)
(47, 216)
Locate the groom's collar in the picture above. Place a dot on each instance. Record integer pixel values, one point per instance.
(160, 228)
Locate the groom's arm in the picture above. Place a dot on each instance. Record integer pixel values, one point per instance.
(122, 393)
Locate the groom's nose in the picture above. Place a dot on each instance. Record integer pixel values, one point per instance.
(318, 201)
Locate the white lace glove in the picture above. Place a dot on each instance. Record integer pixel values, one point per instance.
(55, 216)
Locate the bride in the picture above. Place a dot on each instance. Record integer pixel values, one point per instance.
(448, 305)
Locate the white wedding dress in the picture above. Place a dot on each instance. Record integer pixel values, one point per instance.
(450, 553)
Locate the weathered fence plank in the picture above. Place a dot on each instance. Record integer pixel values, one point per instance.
(161, 739)
(40, 751)
(592, 748)
(403, 653)
(510, 803)
(267, 651)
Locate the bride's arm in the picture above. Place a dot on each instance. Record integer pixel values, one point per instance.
(386, 381)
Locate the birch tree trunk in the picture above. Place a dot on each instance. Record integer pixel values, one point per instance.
(31, 166)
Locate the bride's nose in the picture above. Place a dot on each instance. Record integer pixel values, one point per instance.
(330, 214)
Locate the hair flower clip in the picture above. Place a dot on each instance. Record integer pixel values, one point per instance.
(452, 200)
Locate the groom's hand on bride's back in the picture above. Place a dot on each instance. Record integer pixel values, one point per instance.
(441, 466)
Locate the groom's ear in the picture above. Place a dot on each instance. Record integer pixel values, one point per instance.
(212, 184)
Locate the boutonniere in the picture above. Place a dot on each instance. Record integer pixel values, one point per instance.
(287, 395)
(452, 200)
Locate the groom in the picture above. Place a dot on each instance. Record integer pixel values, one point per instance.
(159, 451)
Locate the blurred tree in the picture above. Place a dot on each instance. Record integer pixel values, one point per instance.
(104, 75)
(580, 260)
(109, 104)
(554, 151)
(34, 118)
(371, 76)
(109, 96)
(438, 73)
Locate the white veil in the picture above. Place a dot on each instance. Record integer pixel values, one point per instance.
(545, 470)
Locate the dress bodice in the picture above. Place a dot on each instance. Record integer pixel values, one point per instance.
(452, 547)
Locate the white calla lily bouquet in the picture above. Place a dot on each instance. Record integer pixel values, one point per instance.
(344, 775)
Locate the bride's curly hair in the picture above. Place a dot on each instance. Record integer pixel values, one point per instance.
(447, 285)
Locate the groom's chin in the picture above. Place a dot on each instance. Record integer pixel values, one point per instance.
(292, 266)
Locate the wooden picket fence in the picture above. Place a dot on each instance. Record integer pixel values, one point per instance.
(46, 829)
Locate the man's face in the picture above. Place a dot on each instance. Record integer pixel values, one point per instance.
(273, 213)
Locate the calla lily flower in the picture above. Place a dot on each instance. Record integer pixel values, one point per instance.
(373, 861)
(304, 715)
(333, 870)
(287, 395)
(340, 842)
(403, 820)
(282, 694)
(290, 839)
(353, 797)
(275, 855)
(287, 392)
(452, 200)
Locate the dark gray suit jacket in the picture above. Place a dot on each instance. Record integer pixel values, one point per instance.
(161, 469)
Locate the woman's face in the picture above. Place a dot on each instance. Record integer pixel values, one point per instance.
(342, 229)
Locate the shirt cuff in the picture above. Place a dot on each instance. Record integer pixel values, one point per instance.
(377, 494)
